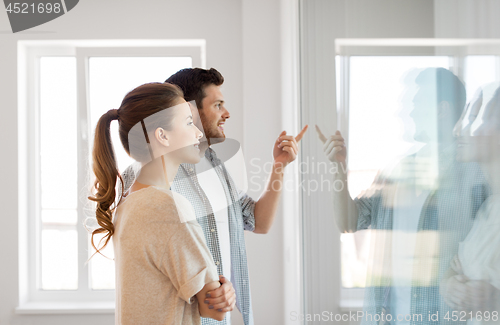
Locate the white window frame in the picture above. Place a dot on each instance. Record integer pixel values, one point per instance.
(84, 299)
(321, 243)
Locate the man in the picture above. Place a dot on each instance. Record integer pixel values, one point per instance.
(223, 211)
(418, 212)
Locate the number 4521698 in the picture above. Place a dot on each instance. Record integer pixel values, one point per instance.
(479, 315)
(41, 8)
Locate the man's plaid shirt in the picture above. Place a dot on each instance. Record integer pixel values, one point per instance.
(448, 211)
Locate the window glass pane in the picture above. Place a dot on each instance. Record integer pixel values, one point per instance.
(381, 95)
(378, 104)
(355, 250)
(59, 256)
(58, 174)
(110, 79)
(62, 217)
(102, 270)
(58, 132)
(479, 70)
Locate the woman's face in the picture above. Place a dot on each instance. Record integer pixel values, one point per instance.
(480, 139)
(475, 148)
(184, 137)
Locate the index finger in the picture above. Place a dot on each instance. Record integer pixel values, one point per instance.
(321, 136)
(301, 133)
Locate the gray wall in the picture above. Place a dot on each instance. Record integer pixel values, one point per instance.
(467, 19)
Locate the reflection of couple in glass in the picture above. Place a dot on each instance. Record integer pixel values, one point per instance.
(421, 211)
(178, 238)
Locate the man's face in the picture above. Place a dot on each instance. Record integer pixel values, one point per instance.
(425, 113)
(213, 114)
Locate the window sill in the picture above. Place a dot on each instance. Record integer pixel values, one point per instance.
(51, 308)
(351, 305)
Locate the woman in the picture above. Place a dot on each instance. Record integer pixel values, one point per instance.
(162, 261)
(472, 285)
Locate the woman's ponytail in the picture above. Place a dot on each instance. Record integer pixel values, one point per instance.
(106, 173)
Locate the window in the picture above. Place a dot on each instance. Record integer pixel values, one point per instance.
(371, 87)
(373, 105)
(64, 88)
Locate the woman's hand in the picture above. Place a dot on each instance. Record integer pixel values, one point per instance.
(207, 310)
(455, 292)
(456, 265)
(222, 299)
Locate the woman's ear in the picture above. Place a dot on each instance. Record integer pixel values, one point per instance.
(161, 137)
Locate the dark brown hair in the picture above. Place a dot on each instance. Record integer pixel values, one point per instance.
(134, 110)
(193, 81)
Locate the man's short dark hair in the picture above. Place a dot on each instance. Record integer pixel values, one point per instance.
(447, 87)
(193, 81)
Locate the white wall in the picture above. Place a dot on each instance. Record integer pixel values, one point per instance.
(262, 120)
(246, 53)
